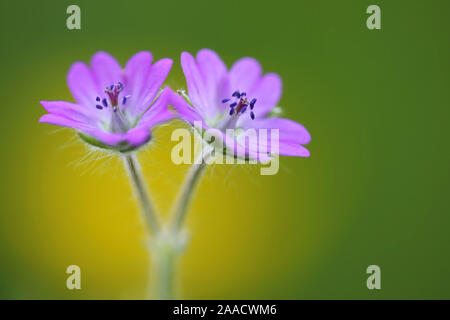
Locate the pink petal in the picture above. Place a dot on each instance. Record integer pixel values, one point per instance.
(107, 138)
(292, 150)
(143, 80)
(267, 91)
(289, 131)
(213, 71)
(158, 112)
(106, 70)
(196, 86)
(82, 84)
(244, 74)
(284, 148)
(71, 111)
(244, 147)
(136, 73)
(156, 77)
(138, 136)
(184, 110)
(64, 122)
(260, 147)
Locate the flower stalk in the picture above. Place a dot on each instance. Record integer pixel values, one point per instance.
(167, 246)
(141, 192)
(163, 261)
(165, 249)
(185, 195)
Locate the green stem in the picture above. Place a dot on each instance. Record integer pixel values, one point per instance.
(185, 195)
(137, 181)
(164, 253)
(166, 279)
(169, 243)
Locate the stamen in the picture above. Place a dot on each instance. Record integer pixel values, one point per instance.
(240, 103)
(105, 103)
(124, 100)
(97, 99)
(99, 107)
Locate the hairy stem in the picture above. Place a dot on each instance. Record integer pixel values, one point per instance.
(186, 193)
(137, 181)
(164, 254)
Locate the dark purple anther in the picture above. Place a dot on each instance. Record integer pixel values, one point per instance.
(231, 111)
(124, 100)
(115, 109)
(236, 94)
(234, 104)
(252, 103)
(99, 107)
(243, 109)
(97, 99)
(225, 100)
(252, 115)
(104, 102)
(243, 94)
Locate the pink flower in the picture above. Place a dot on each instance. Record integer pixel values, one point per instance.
(240, 98)
(115, 107)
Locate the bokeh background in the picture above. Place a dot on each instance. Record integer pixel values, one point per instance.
(374, 191)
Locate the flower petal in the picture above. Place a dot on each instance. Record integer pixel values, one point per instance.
(138, 136)
(158, 111)
(106, 70)
(156, 77)
(289, 131)
(256, 144)
(243, 146)
(107, 138)
(244, 74)
(196, 86)
(184, 110)
(267, 91)
(64, 122)
(224, 92)
(82, 84)
(292, 150)
(71, 111)
(213, 71)
(144, 80)
(136, 73)
(281, 147)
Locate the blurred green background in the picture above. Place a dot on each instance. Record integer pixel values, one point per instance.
(374, 191)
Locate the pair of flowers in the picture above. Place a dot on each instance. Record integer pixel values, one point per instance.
(117, 107)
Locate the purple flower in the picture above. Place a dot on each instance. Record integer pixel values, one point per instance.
(240, 98)
(115, 108)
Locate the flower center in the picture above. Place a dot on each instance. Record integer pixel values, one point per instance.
(238, 104)
(119, 123)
